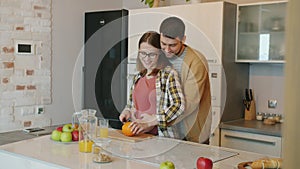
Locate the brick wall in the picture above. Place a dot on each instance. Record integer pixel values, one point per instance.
(25, 79)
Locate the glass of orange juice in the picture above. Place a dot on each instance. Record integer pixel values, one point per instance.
(85, 146)
(103, 128)
(102, 132)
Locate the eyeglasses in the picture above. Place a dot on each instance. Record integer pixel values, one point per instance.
(150, 55)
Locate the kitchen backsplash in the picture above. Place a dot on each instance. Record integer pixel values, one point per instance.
(267, 82)
(25, 63)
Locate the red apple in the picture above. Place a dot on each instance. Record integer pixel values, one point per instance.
(204, 163)
(59, 128)
(75, 135)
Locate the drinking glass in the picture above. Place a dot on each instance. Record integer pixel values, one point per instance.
(103, 125)
(102, 132)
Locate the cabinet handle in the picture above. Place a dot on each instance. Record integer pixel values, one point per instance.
(251, 139)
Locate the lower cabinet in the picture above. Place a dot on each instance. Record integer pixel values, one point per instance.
(258, 143)
(214, 139)
(215, 130)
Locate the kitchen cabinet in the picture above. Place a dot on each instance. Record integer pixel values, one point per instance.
(215, 131)
(258, 143)
(261, 32)
(214, 39)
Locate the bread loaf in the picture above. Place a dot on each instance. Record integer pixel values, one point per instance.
(267, 163)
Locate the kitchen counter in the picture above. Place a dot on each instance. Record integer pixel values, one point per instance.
(42, 152)
(253, 126)
(19, 135)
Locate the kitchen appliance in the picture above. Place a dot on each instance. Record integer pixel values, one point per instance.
(105, 53)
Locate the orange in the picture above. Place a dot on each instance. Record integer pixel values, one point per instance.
(126, 130)
(75, 126)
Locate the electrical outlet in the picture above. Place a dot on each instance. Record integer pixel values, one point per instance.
(272, 104)
(39, 110)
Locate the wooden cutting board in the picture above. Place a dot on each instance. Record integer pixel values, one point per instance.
(117, 134)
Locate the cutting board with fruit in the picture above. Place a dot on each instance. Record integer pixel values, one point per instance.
(117, 134)
(264, 163)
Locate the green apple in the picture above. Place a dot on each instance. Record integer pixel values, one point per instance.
(167, 165)
(66, 137)
(55, 135)
(67, 128)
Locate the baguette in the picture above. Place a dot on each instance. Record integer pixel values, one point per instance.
(267, 163)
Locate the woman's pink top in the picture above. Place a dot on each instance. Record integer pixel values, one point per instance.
(144, 98)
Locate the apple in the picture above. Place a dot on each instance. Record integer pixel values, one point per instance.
(67, 128)
(167, 165)
(55, 135)
(66, 137)
(75, 135)
(59, 128)
(204, 163)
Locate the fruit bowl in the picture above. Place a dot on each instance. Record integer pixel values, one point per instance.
(65, 134)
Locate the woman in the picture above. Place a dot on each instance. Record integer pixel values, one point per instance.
(156, 98)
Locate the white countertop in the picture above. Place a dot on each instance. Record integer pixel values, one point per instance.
(42, 152)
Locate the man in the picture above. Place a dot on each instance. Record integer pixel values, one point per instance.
(195, 123)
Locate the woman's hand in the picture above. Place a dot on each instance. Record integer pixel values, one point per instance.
(125, 116)
(143, 125)
(139, 128)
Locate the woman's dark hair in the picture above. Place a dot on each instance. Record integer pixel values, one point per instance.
(153, 39)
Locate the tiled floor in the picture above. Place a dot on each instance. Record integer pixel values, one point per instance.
(14, 136)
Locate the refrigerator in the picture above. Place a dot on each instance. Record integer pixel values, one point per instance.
(105, 63)
(210, 29)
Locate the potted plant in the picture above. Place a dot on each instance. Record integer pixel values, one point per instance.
(154, 3)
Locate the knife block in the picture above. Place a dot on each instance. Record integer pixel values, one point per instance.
(251, 113)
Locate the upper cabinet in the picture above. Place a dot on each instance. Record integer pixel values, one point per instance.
(261, 32)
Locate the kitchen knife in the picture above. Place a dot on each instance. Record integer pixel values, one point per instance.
(247, 94)
(250, 94)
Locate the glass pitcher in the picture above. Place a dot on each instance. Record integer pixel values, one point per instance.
(87, 130)
(75, 119)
